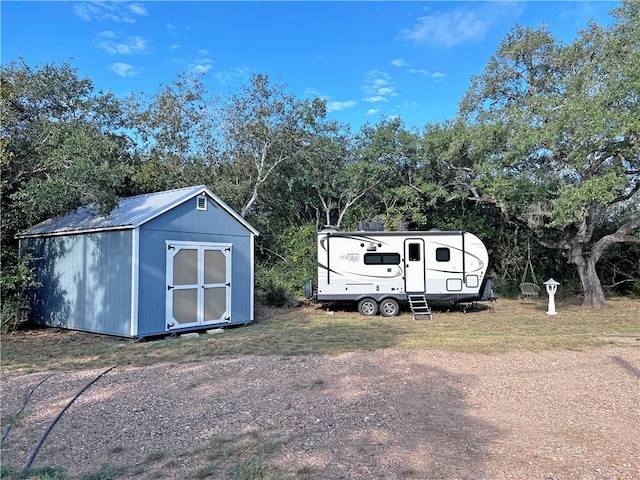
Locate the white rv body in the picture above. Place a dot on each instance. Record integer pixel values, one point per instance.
(446, 266)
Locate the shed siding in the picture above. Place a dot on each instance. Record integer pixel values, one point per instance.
(86, 281)
(186, 218)
(113, 280)
(185, 223)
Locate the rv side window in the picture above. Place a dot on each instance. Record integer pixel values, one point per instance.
(443, 254)
(381, 258)
(414, 252)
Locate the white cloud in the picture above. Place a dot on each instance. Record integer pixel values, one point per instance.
(399, 63)
(448, 29)
(373, 111)
(419, 71)
(124, 69)
(376, 99)
(203, 66)
(467, 24)
(339, 106)
(377, 85)
(200, 63)
(227, 76)
(312, 92)
(438, 76)
(121, 12)
(113, 43)
(84, 11)
(138, 9)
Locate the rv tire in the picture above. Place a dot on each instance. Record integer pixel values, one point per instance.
(389, 308)
(368, 307)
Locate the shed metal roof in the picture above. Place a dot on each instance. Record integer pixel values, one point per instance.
(131, 212)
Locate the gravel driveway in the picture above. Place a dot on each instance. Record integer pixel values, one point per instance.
(387, 414)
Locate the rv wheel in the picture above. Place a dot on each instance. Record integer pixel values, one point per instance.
(389, 308)
(368, 307)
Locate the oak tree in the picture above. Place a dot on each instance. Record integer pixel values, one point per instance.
(554, 139)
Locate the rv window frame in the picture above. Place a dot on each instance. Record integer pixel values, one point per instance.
(368, 257)
(439, 254)
(415, 251)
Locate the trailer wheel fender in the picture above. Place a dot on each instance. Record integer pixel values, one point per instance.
(368, 307)
(389, 307)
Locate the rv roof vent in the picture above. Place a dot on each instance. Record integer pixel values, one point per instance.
(370, 226)
(328, 227)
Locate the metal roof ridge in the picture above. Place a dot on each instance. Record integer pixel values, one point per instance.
(83, 216)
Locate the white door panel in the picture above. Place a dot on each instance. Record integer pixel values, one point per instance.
(198, 284)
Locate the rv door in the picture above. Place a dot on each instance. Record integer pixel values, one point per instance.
(414, 265)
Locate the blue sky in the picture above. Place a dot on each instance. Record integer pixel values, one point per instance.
(368, 59)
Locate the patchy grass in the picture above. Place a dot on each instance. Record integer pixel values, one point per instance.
(41, 473)
(246, 457)
(312, 330)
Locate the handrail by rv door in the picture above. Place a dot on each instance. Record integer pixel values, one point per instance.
(464, 263)
(328, 260)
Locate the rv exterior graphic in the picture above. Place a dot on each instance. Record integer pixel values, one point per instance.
(381, 270)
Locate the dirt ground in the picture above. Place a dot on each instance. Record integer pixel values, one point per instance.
(388, 414)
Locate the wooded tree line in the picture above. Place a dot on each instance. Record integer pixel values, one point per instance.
(544, 152)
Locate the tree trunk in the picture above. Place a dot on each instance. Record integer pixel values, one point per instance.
(591, 286)
(586, 264)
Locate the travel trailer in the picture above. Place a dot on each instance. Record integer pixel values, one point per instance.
(379, 271)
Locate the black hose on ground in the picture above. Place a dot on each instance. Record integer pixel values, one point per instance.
(46, 434)
(6, 432)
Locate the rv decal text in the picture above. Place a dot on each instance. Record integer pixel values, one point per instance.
(350, 257)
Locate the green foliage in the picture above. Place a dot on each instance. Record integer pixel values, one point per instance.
(619, 270)
(572, 204)
(267, 128)
(271, 290)
(286, 261)
(171, 130)
(16, 280)
(59, 151)
(545, 146)
(553, 137)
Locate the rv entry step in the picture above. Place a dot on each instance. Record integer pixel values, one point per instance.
(419, 306)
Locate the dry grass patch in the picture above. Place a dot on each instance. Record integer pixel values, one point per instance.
(313, 330)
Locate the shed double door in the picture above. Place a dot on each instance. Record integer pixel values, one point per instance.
(198, 284)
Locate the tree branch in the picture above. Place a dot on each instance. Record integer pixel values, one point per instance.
(622, 235)
(622, 198)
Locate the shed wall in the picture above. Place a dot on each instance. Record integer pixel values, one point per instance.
(185, 223)
(85, 281)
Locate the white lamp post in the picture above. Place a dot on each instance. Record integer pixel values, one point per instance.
(551, 286)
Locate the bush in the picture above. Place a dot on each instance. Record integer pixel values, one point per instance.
(16, 279)
(284, 262)
(274, 294)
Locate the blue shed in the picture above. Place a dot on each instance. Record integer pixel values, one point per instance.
(165, 262)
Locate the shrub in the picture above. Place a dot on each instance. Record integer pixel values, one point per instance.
(16, 279)
(285, 261)
(274, 294)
